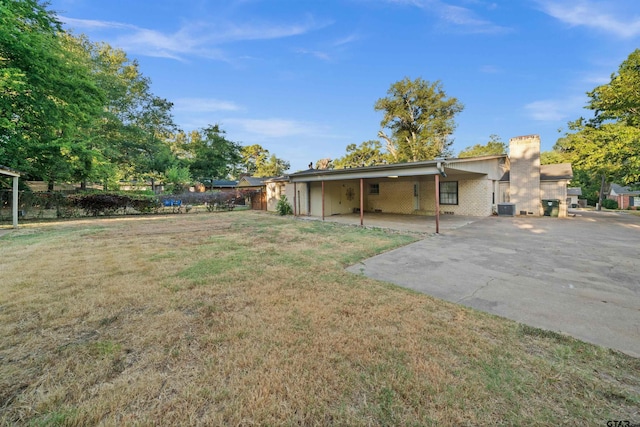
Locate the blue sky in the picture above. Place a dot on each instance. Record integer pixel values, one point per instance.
(300, 77)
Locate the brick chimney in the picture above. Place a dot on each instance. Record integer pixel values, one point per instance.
(524, 177)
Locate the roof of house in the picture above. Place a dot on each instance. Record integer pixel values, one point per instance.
(550, 172)
(255, 181)
(391, 170)
(282, 178)
(619, 189)
(574, 191)
(250, 181)
(556, 172)
(223, 183)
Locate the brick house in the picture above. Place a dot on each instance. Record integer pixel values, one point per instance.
(470, 186)
(625, 197)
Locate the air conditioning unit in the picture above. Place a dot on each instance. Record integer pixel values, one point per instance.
(506, 209)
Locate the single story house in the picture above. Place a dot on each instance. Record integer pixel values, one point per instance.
(625, 197)
(219, 184)
(258, 191)
(275, 189)
(470, 186)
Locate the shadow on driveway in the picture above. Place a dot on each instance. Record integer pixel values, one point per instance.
(579, 275)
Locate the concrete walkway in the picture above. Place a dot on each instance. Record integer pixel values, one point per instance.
(579, 275)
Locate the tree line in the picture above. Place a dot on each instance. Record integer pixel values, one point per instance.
(76, 110)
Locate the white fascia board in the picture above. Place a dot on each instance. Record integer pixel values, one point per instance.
(345, 174)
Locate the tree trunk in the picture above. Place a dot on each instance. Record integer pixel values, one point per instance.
(50, 185)
(391, 148)
(601, 195)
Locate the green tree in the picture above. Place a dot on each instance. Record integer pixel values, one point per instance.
(369, 153)
(619, 100)
(214, 156)
(554, 157)
(252, 157)
(420, 118)
(177, 178)
(48, 94)
(610, 151)
(608, 145)
(495, 146)
(272, 166)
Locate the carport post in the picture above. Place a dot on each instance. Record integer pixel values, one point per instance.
(437, 178)
(15, 202)
(295, 205)
(323, 200)
(361, 202)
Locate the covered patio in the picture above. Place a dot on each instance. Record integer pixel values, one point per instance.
(401, 222)
(416, 195)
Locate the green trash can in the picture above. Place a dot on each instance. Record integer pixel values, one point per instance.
(551, 207)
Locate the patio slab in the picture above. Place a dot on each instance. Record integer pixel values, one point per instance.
(410, 223)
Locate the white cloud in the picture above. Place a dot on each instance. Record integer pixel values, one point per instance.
(315, 53)
(601, 16)
(462, 18)
(274, 128)
(92, 24)
(193, 38)
(553, 110)
(203, 105)
(490, 69)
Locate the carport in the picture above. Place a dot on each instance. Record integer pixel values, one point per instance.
(427, 189)
(15, 175)
(361, 175)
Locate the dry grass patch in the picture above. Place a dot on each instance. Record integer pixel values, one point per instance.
(248, 319)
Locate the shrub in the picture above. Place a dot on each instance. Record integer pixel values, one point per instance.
(283, 207)
(101, 204)
(609, 204)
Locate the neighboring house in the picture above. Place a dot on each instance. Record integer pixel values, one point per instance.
(275, 189)
(572, 196)
(258, 191)
(624, 196)
(470, 186)
(219, 184)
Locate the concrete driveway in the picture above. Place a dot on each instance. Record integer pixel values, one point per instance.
(579, 275)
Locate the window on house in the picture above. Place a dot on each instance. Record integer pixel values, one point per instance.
(449, 193)
(374, 188)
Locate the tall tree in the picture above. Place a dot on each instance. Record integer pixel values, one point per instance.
(608, 145)
(214, 156)
(420, 118)
(272, 166)
(48, 93)
(252, 157)
(619, 100)
(369, 153)
(495, 146)
(257, 161)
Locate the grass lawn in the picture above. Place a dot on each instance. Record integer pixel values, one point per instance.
(242, 318)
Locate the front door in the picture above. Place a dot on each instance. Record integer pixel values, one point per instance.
(416, 196)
